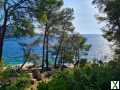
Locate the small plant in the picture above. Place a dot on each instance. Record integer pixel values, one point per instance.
(42, 86)
(1, 65)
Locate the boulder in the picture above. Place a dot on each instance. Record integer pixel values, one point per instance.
(36, 74)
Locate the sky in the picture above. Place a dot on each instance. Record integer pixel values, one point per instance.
(84, 13)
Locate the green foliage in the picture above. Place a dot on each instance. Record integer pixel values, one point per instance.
(110, 16)
(11, 80)
(1, 65)
(68, 56)
(42, 86)
(59, 81)
(20, 84)
(7, 73)
(91, 76)
(87, 47)
(83, 62)
(45, 8)
(24, 27)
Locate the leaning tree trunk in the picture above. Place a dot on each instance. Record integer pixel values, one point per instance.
(2, 34)
(58, 52)
(21, 67)
(26, 57)
(59, 48)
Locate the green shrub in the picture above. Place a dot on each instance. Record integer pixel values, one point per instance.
(14, 81)
(1, 65)
(18, 85)
(42, 86)
(59, 81)
(88, 77)
(8, 73)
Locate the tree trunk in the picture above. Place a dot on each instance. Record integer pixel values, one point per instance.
(76, 58)
(58, 52)
(43, 56)
(22, 65)
(63, 56)
(46, 41)
(47, 53)
(26, 57)
(59, 48)
(75, 55)
(62, 59)
(1, 44)
(78, 55)
(2, 34)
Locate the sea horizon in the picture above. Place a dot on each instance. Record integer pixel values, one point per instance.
(95, 52)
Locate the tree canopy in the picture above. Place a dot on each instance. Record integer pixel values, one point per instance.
(111, 16)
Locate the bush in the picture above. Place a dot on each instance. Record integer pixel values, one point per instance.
(88, 77)
(1, 65)
(42, 86)
(14, 81)
(19, 84)
(59, 81)
(8, 73)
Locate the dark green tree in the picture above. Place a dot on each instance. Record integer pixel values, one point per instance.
(45, 12)
(74, 47)
(66, 26)
(110, 10)
(79, 46)
(13, 13)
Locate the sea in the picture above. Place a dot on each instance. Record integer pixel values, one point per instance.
(100, 49)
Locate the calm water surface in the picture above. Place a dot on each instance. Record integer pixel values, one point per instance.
(13, 54)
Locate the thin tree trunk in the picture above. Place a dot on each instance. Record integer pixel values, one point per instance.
(47, 53)
(26, 57)
(78, 55)
(22, 65)
(43, 56)
(62, 59)
(63, 56)
(59, 48)
(58, 52)
(1, 44)
(76, 59)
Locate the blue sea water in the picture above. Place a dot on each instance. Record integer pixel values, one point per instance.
(13, 53)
